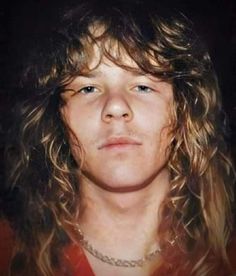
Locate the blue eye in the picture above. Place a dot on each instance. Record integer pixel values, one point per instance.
(87, 89)
(143, 89)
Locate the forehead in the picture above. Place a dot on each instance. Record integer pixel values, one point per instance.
(115, 55)
(100, 45)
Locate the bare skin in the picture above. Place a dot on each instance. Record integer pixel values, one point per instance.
(109, 221)
(122, 120)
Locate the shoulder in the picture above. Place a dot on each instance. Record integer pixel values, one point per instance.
(231, 250)
(77, 262)
(6, 246)
(224, 269)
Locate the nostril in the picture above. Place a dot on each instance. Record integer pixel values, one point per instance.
(116, 110)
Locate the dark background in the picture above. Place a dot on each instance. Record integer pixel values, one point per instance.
(214, 20)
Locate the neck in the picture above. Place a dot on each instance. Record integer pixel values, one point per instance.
(113, 220)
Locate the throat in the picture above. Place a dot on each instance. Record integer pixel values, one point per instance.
(113, 261)
(121, 227)
(130, 205)
(106, 265)
(108, 230)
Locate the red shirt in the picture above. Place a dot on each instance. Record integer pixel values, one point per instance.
(74, 257)
(77, 261)
(6, 245)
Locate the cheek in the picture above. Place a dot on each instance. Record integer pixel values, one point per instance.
(76, 119)
(158, 121)
(160, 130)
(70, 117)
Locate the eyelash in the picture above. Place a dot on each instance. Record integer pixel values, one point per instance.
(144, 88)
(87, 89)
(139, 88)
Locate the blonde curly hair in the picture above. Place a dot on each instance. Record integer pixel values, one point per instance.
(41, 171)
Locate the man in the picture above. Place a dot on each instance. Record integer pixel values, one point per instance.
(119, 165)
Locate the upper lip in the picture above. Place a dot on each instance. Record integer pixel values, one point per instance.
(125, 140)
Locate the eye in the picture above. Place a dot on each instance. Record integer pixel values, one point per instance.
(143, 89)
(87, 89)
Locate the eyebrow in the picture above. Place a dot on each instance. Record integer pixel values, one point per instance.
(90, 74)
(138, 72)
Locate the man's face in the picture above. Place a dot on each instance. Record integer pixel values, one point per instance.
(122, 120)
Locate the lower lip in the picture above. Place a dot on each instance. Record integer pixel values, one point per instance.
(120, 146)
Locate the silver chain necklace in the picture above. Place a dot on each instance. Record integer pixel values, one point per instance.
(115, 261)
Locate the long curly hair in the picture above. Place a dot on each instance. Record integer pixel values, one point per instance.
(42, 187)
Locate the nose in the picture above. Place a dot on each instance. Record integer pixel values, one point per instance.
(116, 107)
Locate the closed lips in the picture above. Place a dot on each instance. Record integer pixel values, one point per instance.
(115, 141)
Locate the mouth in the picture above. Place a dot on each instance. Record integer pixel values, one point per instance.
(119, 143)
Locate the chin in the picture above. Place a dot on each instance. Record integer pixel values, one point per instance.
(122, 188)
(121, 183)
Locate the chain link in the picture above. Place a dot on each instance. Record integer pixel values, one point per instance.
(115, 261)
